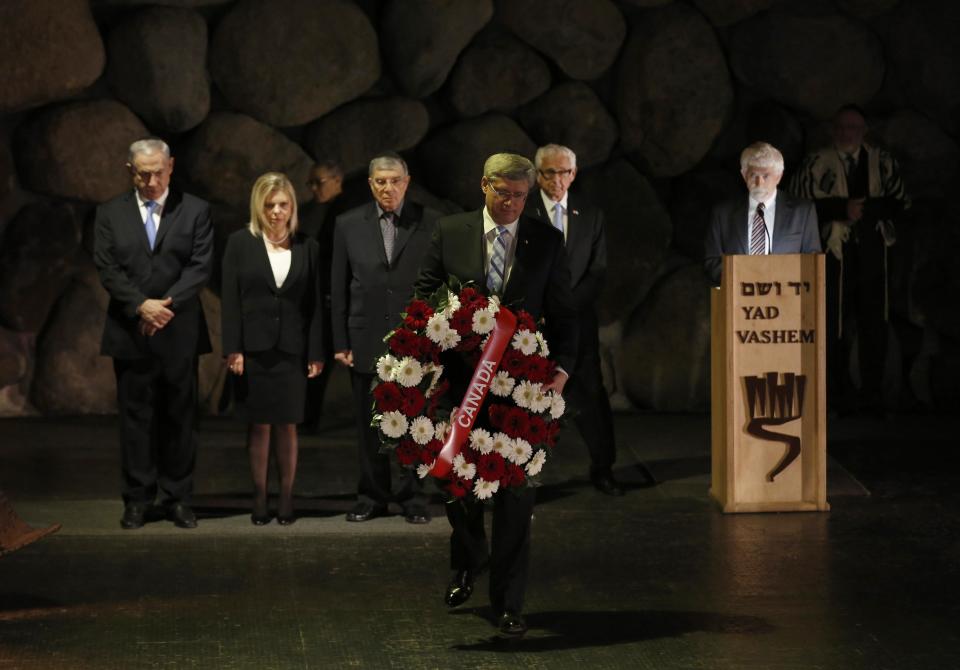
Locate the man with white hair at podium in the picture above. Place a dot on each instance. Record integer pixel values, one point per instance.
(765, 221)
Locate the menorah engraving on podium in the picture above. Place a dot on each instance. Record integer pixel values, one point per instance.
(771, 403)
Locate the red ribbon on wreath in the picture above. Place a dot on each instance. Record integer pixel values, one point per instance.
(461, 422)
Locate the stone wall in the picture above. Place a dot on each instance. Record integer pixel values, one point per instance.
(657, 97)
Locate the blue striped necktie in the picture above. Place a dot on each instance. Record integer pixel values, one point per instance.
(150, 223)
(498, 262)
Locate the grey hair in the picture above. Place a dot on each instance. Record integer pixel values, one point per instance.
(387, 161)
(512, 167)
(147, 145)
(761, 154)
(553, 150)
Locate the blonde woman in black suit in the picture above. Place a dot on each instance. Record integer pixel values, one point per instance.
(272, 332)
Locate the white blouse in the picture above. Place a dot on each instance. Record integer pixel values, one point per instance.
(279, 262)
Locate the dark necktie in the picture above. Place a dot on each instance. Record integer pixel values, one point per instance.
(758, 233)
(389, 231)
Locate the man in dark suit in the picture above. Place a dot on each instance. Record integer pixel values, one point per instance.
(534, 277)
(377, 250)
(153, 247)
(582, 225)
(767, 221)
(317, 219)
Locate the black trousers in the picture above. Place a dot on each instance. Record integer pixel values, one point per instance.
(586, 394)
(157, 404)
(374, 486)
(509, 553)
(862, 283)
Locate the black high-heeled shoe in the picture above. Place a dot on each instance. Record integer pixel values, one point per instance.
(261, 515)
(285, 514)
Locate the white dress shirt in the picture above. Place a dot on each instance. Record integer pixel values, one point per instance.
(489, 236)
(549, 205)
(157, 211)
(769, 212)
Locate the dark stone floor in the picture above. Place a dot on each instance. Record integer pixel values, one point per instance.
(657, 579)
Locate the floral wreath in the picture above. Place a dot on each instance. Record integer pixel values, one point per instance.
(519, 424)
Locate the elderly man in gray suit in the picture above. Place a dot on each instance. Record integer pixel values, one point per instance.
(767, 221)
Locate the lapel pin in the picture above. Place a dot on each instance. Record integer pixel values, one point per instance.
(575, 212)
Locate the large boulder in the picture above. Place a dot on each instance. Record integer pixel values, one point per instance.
(638, 234)
(810, 61)
(168, 88)
(924, 56)
(453, 158)
(571, 114)
(8, 180)
(70, 375)
(354, 133)
(758, 119)
(497, 72)
(582, 37)
(866, 9)
(665, 356)
(78, 150)
(289, 64)
(229, 151)
(37, 260)
(929, 158)
(423, 38)
(674, 90)
(16, 350)
(50, 50)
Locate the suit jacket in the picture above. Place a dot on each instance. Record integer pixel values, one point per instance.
(258, 316)
(368, 293)
(178, 267)
(539, 279)
(795, 231)
(586, 246)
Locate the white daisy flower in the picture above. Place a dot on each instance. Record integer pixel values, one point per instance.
(524, 392)
(524, 340)
(440, 430)
(484, 489)
(423, 469)
(385, 367)
(519, 451)
(437, 327)
(557, 406)
(502, 384)
(541, 401)
(483, 322)
(493, 304)
(421, 430)
(536, 463)
(542, 341)
(453, 304)
(393, 424)
(408, 372)
(481, 440)
(451, 338)
(501, 444)
(464, 470)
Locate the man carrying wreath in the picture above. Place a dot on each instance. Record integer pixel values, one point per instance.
(521, 260)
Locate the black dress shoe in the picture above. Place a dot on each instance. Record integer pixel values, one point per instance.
(182, 516)
(285, 513)
(365, 512)
(417, 515)
(260, 515)
(133, 516)
(512, 624)
(460, 589)
(605, 483)
(286, 519)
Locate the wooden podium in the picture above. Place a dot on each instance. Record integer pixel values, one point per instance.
(768, 381)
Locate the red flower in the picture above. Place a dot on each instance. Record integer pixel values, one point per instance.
(427, 349)
(491, 466)
(462, 321)
(513, 476)
(412, 401)
(387, 396)
(472, 298)
(514, 362)
(539, 369)
(469, 343)
(433, 448)
(408, 452)
(497, 414)
(418, 312)
(458, 487)
(515, 422)
(404, 342)
(553, 432)
(525, 320)
(536, 430)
